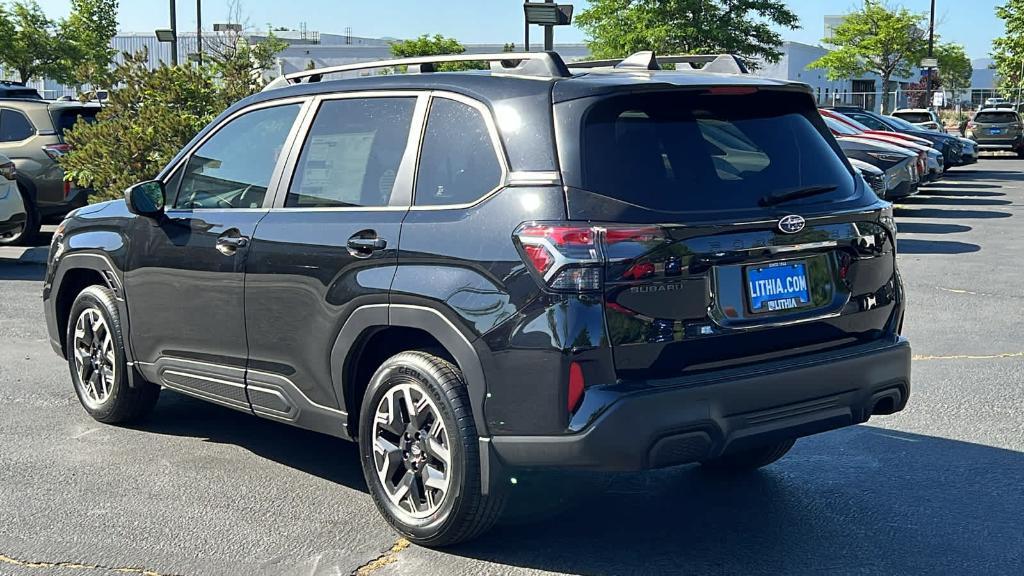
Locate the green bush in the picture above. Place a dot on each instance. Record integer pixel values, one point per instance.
(152, 114)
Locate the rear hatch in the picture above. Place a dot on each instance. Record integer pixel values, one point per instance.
(730, 230)
(995, 126)
(65, 116)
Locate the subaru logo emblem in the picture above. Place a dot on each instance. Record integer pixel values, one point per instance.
(792, 224)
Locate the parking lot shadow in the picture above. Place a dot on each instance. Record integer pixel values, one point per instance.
(330, 458)
(943, 191)
(955, 201)
(956, 214)
(917, 246)
(931, 228)
(861, 500)
(14, 270)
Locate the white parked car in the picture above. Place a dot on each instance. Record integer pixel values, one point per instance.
(12, 209)
(926, 119)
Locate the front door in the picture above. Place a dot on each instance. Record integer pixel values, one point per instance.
(184, 285)
(328, 246)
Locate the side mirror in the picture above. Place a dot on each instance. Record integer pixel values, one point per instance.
(146, 199)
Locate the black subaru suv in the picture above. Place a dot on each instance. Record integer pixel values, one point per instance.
(472, 274)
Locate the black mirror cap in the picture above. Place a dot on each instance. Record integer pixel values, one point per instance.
(146, 198)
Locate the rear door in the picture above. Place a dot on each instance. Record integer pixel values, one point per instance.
(328, 246)
(733, 231)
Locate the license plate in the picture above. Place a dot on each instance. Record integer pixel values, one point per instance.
(778, 286)
(997, 131)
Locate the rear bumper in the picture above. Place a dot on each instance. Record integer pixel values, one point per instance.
(694, 419)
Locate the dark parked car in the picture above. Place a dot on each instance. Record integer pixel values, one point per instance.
(473, 274)
(32, 135)
(950, 146)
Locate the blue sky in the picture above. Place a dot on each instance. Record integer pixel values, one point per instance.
(971, 23)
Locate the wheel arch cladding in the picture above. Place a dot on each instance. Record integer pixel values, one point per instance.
(400, 328)
(71, 282)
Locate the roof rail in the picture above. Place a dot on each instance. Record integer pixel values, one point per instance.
(539, 64)
(646, 60)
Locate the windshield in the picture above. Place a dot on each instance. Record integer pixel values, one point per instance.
(851, 121)
(996, 117)
(914, 117)
(900, 123)
(840, 128)
(695, 151)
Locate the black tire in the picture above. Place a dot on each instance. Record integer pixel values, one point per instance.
(751, 459)
(124, 403)
(30, 230)
(463, 513)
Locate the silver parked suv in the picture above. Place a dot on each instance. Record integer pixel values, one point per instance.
(32, 136)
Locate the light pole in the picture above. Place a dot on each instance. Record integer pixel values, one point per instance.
(174, 33)
(199, 30)
(931, 47)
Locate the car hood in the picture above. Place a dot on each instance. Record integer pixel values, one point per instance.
(869, 145)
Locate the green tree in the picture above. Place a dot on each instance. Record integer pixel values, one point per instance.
(1008, 50)
(151, 114)
(875, 39)
(747, 28)
(955, 68)
(87, 33)
(29, 42)
(436, 45)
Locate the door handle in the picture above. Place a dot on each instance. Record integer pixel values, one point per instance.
(229, 242)
(364, 243)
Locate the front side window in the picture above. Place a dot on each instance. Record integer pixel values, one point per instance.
(458, 163)
(352, 154)
(233, 168)
(14, 126)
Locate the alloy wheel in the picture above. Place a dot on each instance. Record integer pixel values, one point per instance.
(93, 348)
(411, 450)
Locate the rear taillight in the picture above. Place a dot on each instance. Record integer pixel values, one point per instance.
(570, 257)
(67, 189)
(576, 386)
(8, 170)
(971, 125)
(55, 151)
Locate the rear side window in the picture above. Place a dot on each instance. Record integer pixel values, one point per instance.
(690, 151)
(914, 117)
(14, 126)
(233, 168)
(458, 161)
(996, 117)
(66, 118)
(352, 154)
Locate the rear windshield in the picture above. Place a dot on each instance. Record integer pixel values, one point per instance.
(694, 151)
(65, 118)
(914, 117)
(996, 117)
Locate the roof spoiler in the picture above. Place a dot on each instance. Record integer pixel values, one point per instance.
(536, 64)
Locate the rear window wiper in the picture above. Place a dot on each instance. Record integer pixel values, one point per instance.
(780, 196)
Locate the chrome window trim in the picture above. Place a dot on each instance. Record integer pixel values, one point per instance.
(275, 176)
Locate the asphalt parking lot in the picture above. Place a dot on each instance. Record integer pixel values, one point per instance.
(202, 490)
